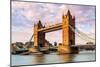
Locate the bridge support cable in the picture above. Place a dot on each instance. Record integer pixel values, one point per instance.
(31, 37)
(29, 41)
(84, 34)
(76, 31)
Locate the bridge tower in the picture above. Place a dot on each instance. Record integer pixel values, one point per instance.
(68, 35)
(39, 37)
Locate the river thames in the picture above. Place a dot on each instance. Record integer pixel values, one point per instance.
(52, 58)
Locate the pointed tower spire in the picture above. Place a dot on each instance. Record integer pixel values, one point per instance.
(39, 22)
(68, 13)
(63, 16)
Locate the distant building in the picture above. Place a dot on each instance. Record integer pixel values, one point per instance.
(16, 46)
(47, 43)
(29, 44)
(90, 43)
(19, 44)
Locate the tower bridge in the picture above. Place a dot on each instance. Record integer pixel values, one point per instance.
(68, 35)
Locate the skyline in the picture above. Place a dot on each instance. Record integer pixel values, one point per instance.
(25, 14)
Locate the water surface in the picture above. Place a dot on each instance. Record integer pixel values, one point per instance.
(52, 58)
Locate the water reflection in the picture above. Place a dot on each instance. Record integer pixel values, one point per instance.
(39, 59)
(51, 58)
(66, 58)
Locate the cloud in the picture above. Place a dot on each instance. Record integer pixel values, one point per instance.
(25, 14)
(20, 36)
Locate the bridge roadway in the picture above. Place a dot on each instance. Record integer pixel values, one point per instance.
(50, 28)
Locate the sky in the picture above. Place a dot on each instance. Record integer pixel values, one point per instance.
(25, 14)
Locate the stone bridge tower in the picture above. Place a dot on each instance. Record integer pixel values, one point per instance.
(39, 37)
(68, 35)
